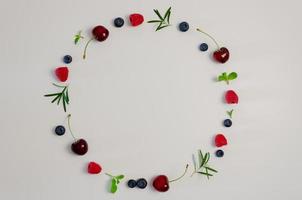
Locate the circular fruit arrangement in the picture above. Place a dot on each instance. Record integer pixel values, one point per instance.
(160, 183)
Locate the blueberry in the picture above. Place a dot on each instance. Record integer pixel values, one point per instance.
(60, 130)
(141, 183)
(118, 22)
(227, 123)
(131, 183)
(67, 59)
(219, 153)
(203, 47)
(184, 26)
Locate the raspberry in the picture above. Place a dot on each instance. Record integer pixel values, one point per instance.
(62, 73)
(220, 140)
(231, 97)
(94, 168)
(136, 19)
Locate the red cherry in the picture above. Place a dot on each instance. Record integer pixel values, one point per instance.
(94, 168)
(136, 19)
(100, 33)
(231, 97)
(62, 73)
(161, 183)
(221, 55)
(80, 147)
(220, 140)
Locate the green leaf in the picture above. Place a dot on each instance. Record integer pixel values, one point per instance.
(230, 113)
(120, 177)
(232, 76)
(158, 14)
(55, 98)
(206, 174)
(53, 94)
(113, 186)
(159, 28)
(67, 97)
(167, 13)
(223, 77)
(154, 21)
(211, 169)
(200, 157)
(64, 102)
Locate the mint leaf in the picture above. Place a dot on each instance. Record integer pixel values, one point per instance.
(232, 76)
(115, 180)
(113, 186)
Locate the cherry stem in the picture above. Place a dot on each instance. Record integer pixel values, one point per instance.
(85, 50)
(69, 127)
(199, 30)
(181, 175)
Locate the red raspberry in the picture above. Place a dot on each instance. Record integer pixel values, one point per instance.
(220, 140)
(94, 168)
(231, 97)
(136, 19)
(62, 73)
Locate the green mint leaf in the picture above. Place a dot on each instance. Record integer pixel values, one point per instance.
(232, 76)
(120, 177)
(223, 77)
(113, 188)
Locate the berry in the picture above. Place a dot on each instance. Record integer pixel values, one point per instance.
(62, 73)
(184, 26)
(136, 19)
(67, 59)
(221, 55)
(220, 140)
(60, 130)
(80, 147)
(132, 183)
(203, 47)
(118, 22)
(231, 97)
(219, 153)
(227, 123)
(100, 33)
(94, 168)
(141, 183)
(161, 183)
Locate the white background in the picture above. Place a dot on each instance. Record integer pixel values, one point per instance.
(146, 101)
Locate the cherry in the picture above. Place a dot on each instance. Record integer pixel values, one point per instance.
(161, 182)
(100, 33)
(221, 54)
(79, 146)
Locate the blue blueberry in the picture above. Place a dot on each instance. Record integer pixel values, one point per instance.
(219, 153)
(67, 59)
(227, 123)
(203, 47)
(141, 183)
(131, 183)
(118, 22)
(60, 130)
(184, 26)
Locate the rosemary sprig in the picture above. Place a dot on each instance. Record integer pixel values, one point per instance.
(202, 167)
(230, 113)
(77, 37)
(115, 180)
(63, 95)
(163, 21)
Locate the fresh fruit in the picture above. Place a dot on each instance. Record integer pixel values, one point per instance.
(136, 19)
(203, 47)
(118, 22)
(67, 59)
(219, 153)
(62, 73)
(79, 147)
(131, 183)
(141, 183)
(161, 182)
(100, 33)
(231, 97)
(221, 54)
(184, 26)
(220, 140)
(94, 168)
(227, 123)
(60, 130)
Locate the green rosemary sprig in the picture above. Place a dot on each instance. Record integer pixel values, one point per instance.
(202, 167)
(63, 95)
(115, 180)
(78, 37)
(164, 21)
(230, 113)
